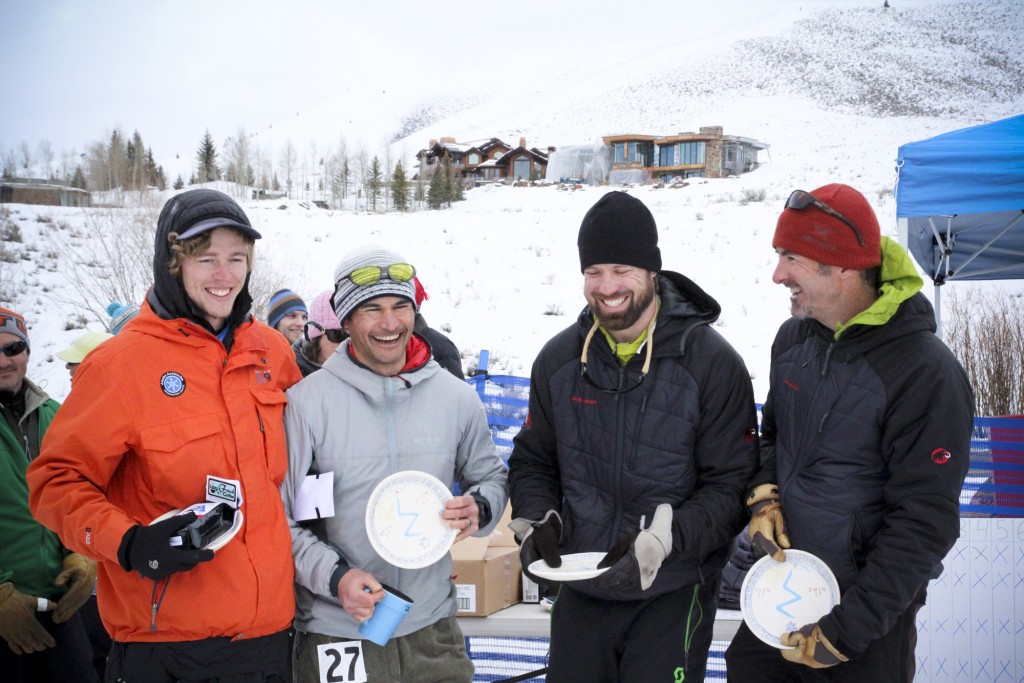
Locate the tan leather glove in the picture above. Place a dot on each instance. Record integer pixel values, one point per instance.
(767, 528)
(18, 624)
(811, 648)
(80, 576)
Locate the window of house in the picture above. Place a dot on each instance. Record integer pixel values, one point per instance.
(691, 152)
(620, 152)
(666, 156)
(473, 159)
(521, 168)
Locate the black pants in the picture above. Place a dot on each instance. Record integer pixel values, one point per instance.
(70, 660)
(665, 638)
(212, 660)
(887, 660)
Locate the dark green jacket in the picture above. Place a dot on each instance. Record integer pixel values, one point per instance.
(30, 554)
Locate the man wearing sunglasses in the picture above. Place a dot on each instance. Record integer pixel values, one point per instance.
(865, 444)
(382, 405)
(184, 406)
(641, 436)
(42, 585)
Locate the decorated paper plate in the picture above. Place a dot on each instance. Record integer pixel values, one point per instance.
(403, 520)
(575, 567)
(218, 542)
(777, 597)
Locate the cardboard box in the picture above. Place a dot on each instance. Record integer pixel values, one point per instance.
(487, 572)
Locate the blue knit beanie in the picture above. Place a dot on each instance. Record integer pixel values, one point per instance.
(282, 302)
(120, 314)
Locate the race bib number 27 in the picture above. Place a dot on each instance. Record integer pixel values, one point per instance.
(341, 662)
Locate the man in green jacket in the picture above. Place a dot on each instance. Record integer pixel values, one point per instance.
(42, 585)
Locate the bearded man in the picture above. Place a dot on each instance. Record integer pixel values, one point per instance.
(640, 439)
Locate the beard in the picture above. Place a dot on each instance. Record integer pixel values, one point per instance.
(614, 322)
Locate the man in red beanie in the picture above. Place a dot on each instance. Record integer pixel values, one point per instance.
(640, 439)
(865, 444)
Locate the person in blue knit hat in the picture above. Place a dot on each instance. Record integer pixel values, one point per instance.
(287, 313)
(120, 314)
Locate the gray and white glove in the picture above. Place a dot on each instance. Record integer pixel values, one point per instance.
(636, 557)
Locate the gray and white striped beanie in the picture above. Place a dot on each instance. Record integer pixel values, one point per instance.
(348, 296)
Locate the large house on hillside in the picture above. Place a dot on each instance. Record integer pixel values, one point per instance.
(706, 154)
(41, 191)
(483, 160)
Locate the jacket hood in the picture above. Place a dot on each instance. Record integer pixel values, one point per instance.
(900, 282)
(684, 305)
(375, 387)
(167, 296)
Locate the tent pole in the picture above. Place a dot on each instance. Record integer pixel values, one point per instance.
(938, 311)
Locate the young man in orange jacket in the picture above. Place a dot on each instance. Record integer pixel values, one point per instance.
(193, 389)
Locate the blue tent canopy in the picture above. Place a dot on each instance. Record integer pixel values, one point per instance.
(960, 201)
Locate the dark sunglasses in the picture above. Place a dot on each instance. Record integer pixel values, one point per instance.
(14, 348)
(801, 200)
(334, 336)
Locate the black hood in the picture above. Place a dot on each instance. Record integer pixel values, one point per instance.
(167, 297)
(684, 305)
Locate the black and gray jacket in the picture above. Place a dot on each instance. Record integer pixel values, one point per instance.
(685, 436)
(867, 433)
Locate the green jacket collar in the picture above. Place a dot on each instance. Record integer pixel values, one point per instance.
(900, 281)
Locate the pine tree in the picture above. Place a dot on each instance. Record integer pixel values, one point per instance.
(78, 180)
(275, 184)
(375, 182)
(207, 158)
(436, 191)
(400, 188)
(178, 183)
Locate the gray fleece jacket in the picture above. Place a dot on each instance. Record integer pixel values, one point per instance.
(364, 427)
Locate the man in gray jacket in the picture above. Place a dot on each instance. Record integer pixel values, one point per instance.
(382, 405)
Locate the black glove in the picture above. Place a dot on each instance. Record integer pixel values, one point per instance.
(538, 540)
(635, 558)
(148, 549)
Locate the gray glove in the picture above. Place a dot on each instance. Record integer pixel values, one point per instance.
(538, 540)
(637, 557)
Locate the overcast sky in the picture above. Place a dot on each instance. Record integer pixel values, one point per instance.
(75, 69)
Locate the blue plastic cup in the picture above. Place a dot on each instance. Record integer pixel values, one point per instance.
(387, 615)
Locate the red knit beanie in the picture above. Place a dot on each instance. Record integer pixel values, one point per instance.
(814, 234)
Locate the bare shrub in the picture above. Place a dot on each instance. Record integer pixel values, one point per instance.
(985, 331)
(751, 194)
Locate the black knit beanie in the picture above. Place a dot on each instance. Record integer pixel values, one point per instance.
(619, 229)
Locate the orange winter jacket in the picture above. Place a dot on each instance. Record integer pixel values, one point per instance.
(153, 411)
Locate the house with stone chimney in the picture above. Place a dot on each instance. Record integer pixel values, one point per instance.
(638, 158)
(479, 161)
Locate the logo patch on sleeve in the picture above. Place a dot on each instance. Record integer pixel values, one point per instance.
(172, 384)
(940, 456)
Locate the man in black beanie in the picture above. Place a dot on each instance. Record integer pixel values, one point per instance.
(641, 436)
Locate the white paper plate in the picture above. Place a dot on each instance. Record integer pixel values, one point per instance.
(403, 520)
(777, 597)
(575, 567)
(218, 542)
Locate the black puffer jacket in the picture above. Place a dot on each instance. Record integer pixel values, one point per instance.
(868, 438)
(685, 436)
